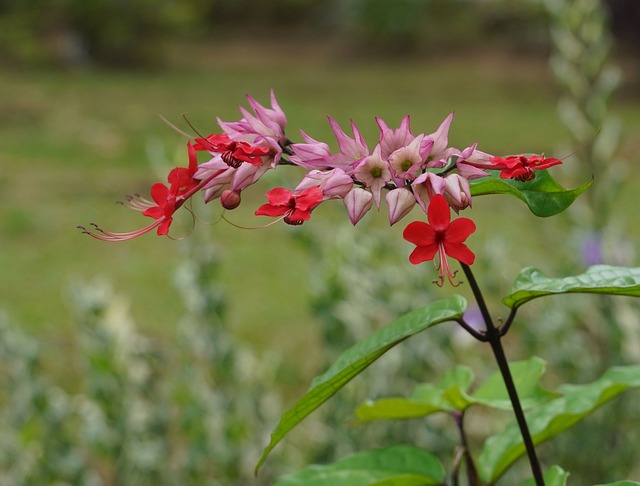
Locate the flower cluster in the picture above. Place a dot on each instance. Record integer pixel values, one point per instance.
(410, 170)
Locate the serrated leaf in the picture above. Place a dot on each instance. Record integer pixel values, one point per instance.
(548, 420)
(399, 465)
(357, 358)
(543, 195)
(554, 476)
(598, 279)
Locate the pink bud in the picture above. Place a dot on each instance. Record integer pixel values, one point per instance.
(426, 186)
(457, 192)
(230, 199)
(400, 202)
(358, 202)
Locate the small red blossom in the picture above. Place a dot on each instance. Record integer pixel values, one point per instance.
(441, 236)
(296, 208)
(233, 152)
(521, 167)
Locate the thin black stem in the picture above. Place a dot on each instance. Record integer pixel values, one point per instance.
(505, 327)
(480, 336)
(472, 473)
(494, 337)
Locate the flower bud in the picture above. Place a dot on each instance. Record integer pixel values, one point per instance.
(426, 186)
(230, 199)
(358, 202)
(457, 192)
(400, 202)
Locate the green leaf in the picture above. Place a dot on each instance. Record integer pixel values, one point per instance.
(425, 399)
(543, 195)
(548, 420)
(451, 394)
(353, 361)
(526, 376)
(399, 465)
(620, 483)
(554, 476)
(599, 279)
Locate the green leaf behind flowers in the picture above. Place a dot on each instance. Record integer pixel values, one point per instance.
(543, 195)
(357, 358)
(399, 465)
(598, 279)
(554, 476)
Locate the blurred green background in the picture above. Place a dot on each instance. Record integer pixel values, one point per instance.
(83, 86)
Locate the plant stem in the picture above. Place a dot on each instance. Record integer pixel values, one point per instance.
(494, 337)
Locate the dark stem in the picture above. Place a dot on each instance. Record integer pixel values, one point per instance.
(472, 473)
(494, 337)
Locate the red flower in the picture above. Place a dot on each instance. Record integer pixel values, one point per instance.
(296, 208)
(440, 236)
(234, 152)
(521, 167)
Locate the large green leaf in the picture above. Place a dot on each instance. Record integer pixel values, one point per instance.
(353, 361)
(543, 195)
(451, 393)
(548, 420)
(399, 465)
(599, 279)
(554, 476)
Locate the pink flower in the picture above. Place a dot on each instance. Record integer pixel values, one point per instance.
(392, 140)
(334, 183)
(352, 150)
(296, 208)
(457, 192)
(311, 155)
(373, 171)
(440, 236)
(426, 186)
(440, 142)
(407, 161)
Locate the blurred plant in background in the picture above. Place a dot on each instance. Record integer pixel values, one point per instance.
(144, 412)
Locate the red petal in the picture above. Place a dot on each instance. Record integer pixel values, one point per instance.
(193, 159)
(159, 193)
(438, 213)
(272, 211)
(459, 230)
(423, 253)
(163, 229)
(419, 234)
(279, 196)
(460, 252)
(309, 198)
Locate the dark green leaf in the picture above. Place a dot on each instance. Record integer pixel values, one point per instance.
(548, 420)
(599, 279)
(360, 356)
(543, 195)
(400, 465)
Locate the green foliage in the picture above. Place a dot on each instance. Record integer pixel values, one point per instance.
(598, 279)
(575, 403)
(543, 195)
(451, 393)
(554, 476)
(359, 357)
(399, 465)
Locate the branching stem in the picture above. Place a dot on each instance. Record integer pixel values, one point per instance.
(494, 338)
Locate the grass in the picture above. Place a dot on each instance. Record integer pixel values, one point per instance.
(72, 142)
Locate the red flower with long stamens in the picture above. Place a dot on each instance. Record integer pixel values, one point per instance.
(441, 236)
(521, 167)
(296, 208)
(233, 152)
